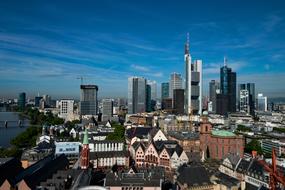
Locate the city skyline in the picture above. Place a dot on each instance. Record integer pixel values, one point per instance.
(44, 46)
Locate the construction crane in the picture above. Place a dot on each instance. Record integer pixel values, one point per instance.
(81, 78)
(275, 176)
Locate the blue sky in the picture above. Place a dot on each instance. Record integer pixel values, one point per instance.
(46, 45)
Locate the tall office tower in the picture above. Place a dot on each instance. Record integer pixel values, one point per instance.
(136, 95)
(261, 102)
(107, 109)
(178, 101)
(214, 87)
(37, 101)
(228, 86)
(175, 83)
(47, 100)
(148, 98)
(246, 97)
(65, 109)
(164, 90)
(193, 86)
(88, 100)
(22, 100)
(153, 87)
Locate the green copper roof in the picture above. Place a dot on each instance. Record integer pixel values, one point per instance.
(85, 139)
(223, 133)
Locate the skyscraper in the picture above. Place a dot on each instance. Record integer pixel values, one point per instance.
(153, 87)
(193, 86)
(228, 86)
(22, 100)
(148, 98)
(246, 97)
(164, 90)
(136, 95)
(213, 90)
(88, 100)
(107, 109)
(178, 101)
(175, 83)
(261, 102)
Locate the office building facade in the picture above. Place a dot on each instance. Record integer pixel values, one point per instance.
(246, 97)
(22, 100)
(175, 83)
(193, 86)
(65, 109)
(107, 109)
(228, 87)
(136, 95)
(261, 102)
(88, 100)
(214, 87)
(164, 90)
(148, 98)
(178, 101)
(153, 86)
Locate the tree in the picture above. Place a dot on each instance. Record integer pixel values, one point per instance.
(119, 133)
(243, 128)
(253, 145)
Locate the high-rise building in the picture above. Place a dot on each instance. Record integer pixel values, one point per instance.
(47, 100)
(261, 102)
(22, 100)
(246, 97)
(175, 83)
(166, 104)
(228, 87)
(148, 98)
(164, 90)
(65, 109)
(214, 87)
(37, 101)
(153, 87)
(88, 100)
(193, 86)
(136, 95)
(107, 109)
(178, 101)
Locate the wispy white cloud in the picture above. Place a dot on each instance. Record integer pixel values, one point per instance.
(140, 68)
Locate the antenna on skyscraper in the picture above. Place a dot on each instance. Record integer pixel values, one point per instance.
(225, 61)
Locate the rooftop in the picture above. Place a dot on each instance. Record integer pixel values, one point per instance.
(223, 133)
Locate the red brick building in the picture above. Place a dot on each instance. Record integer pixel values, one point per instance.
(217, 144)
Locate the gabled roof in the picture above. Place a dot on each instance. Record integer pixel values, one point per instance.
(193, 175)
(9, 168)
(139, 132)
(43, 173)
(234, 159)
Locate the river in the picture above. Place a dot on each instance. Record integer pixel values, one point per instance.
(12, 130)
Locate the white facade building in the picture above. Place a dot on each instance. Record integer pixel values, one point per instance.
(261, 102)
(193, 86)
(65, 109)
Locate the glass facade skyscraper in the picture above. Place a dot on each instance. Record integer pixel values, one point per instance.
(22, 100)
(88, 100)
(228, 86)
(246, 97)
(164, 90)
(136, 95)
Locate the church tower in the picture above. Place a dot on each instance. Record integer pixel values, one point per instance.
(85, 152)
